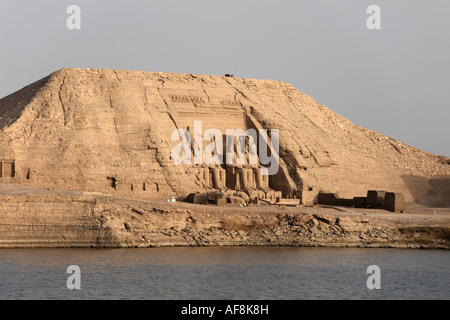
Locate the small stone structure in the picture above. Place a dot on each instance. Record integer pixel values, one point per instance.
(394, 202)
(197, 198)
(331, 199)
(391, 201)
(375, 199)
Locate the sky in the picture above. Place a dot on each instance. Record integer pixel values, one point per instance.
(393, 80)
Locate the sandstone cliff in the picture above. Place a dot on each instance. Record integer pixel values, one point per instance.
(110, 131)
(85, 161)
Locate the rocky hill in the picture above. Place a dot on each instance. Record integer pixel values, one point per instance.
(110, 131)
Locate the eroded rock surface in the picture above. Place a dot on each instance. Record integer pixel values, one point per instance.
(80, 220)
(104, 137)
(110, 131)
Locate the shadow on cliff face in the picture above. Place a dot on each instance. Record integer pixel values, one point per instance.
(12, 105)
(434, 192)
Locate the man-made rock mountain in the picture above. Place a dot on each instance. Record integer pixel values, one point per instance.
(110, 131)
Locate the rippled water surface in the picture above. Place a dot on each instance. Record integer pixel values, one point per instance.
(224, 273)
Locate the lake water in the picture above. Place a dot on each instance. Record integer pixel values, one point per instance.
(224, 273)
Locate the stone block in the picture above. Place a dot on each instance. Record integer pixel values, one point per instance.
(375, 198)
(394, 201)
(236, 200)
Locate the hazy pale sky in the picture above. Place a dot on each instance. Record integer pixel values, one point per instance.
(394, 80)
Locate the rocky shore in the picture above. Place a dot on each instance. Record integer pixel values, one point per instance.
(89, 220)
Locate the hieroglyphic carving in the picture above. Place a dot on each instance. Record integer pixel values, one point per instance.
(187, 99)
(230, 102)
(180, 99)
(200, 100)
(197, 100)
